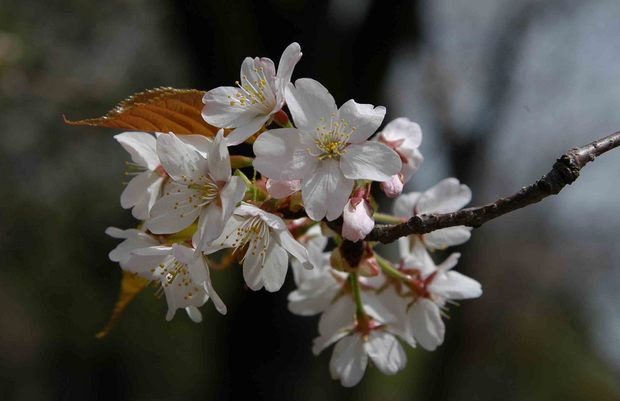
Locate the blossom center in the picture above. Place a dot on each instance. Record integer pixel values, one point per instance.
(253, 92)
(253, 233)
(175, 275)
(332, 140)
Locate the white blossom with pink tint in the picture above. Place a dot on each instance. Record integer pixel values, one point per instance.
(259, 94)
(449, 195)
(404, 137)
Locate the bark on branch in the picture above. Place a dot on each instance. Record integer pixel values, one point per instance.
(564, 172)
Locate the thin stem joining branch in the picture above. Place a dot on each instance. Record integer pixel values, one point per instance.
(564, 172)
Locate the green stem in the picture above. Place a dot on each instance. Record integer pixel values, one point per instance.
(389, 270)
(245, 178)
(357, 295)
(386, 218)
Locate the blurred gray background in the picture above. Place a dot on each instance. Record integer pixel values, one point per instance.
(501, 88)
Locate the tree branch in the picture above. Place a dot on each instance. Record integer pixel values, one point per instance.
(564, 172)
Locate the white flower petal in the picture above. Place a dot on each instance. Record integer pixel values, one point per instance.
(179, 159)
(137, 190)
(231, 194)
(210, 226)
(364, 118)
(386, 352)
(349, 360)
(141, 146)
(173, 212)
(454, 285)
(313, 297)
(297, 250)
(446, 237)
(274, 268)
(449, 195)
(426, 324)
(282, 154)
(194, 313)
(310, 103)
(290, 57)
(142, 208)
(322, 342)
(339, 315)
(246, 130)
(326, 192)
(369, 161)
(218, 159)
(403, 128)
(252, 265)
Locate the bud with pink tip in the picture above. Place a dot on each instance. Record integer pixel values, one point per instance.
(281, 188)
(393, 187)
(357, 216)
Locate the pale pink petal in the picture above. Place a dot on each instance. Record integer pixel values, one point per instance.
(369, 161)
(411, 164)
(363, 119)
(290, 57)
(218, 158)
(173, 212)
(326, 192)
(282, 154)
(275, 268)
(392, 187)
(338, 315)
(311, 104)
(403, 128)
(449, 195)
(282, 188)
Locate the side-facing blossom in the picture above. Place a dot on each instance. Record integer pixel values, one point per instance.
(328, 149)
(358, 340)
(266, 242)
(183, 274)
(201, 187)
(404, 137)
(433, 286)
(144, 188)
(449, 195)
(258, 95)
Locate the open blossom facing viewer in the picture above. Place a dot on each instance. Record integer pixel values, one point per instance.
(201, 188)
(259, 94)
(145, 188)
(266, 242)
(328, 149)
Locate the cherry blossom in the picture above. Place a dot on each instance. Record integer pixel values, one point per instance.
(145, 187)
(258, 95)
(201, 187)
(266, 242)
(357, 219)
(449, 195)
(404, 137)
(328, 149)
(434, 286)
(181, 271)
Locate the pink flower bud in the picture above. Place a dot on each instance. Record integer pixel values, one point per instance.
(357, 219)
(393, 187)
(281, 189)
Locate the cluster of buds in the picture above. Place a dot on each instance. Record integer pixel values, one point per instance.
(196, 206)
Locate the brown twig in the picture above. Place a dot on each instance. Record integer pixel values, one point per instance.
(564, 172)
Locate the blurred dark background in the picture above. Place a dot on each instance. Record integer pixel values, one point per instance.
(500, 87)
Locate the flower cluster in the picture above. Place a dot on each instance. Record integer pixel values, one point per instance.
(198, 208)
